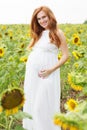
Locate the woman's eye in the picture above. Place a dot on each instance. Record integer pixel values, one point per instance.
(41, 18)
(38, 18)
(44, 17)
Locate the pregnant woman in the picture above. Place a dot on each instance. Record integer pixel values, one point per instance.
(42, 77)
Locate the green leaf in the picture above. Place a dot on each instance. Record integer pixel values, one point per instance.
(21, 115)
(19, 127)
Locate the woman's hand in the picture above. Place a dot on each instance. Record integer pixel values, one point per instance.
(44, 73)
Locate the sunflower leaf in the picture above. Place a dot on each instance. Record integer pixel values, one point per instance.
(19, 127)
(21, 115)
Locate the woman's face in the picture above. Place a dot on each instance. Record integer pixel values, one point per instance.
(43, 19)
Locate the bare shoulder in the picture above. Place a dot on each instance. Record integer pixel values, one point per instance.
(61, 34)
(63, 46)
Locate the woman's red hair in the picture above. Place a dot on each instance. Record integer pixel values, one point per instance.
(36, 29)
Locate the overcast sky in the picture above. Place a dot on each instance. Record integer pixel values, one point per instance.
(20, 11)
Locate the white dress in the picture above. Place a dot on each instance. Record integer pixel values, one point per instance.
(42, 96)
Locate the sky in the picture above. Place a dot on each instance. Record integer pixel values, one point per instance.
(20, 11)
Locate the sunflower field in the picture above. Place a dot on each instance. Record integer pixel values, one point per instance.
(14, 40)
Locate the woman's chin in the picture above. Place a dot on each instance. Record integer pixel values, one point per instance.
(44, 26)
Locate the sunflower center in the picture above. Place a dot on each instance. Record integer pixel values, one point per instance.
(0, 36)
(76, 40)
(73, 105)
(12, 99)
(1, 51)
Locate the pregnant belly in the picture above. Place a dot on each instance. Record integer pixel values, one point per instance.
(42, 60)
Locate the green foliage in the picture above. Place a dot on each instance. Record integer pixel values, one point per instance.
(21, 115)
(76, 118)
(19, 127)
(77, 63)
(12, 122)
(14, 40)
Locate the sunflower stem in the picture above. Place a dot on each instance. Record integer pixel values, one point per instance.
(2, 125)
(10, 123)
(6, 122)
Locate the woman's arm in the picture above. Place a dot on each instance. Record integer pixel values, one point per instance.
(64, 49)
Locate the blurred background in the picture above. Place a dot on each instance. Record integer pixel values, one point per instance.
(20, 11)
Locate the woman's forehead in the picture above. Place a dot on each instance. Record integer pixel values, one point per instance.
(41, 13)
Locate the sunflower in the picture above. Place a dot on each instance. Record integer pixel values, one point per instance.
(1, 109)
(4, 27)
(12, 100)
(0, 36)
(10, 33)
(57, 121)
(71, 103)
(76, 40)
(64, 122)
(59, 56)
(6, 33)
(22, 45)
(73, 86)
(76, 87)
(23, 59)
(76, 54)
(1, 52)
(69, 78)
(76, 65)
(65, 126)
(73, 128)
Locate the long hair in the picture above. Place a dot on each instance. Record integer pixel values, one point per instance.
(36, 29)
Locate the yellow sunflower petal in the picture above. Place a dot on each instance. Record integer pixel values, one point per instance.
(71, 104)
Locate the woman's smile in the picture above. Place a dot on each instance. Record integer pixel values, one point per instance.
(43, 19)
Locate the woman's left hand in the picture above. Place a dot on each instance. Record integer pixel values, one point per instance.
(44, 73)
